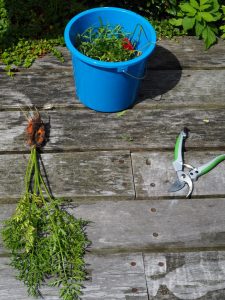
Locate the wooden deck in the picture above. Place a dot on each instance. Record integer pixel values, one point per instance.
(148, 244)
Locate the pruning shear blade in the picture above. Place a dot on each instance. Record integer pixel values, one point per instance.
(180, 183)
(176, 186)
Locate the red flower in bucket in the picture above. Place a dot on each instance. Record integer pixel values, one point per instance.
(127, 44)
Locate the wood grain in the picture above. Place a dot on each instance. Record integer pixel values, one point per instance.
(109, 175)
(137, 129)
(123, 287)
(187, 88)
(176, 224)
(73, 175)
(41, 88)
(150, 225)
(187, 275)
(117, 276)
(184, 275)
(109, 277)
(160, 89)
(187, 53)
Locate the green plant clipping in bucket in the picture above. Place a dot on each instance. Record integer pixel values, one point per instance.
(109, 43)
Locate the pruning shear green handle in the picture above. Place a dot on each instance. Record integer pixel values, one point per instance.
(202, 170)
(178, 150)
(188, 178)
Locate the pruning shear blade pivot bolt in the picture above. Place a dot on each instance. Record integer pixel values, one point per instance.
(188, 178)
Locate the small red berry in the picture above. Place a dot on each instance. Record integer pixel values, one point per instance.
(127, 44)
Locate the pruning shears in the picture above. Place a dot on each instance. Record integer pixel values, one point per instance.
(188, 178)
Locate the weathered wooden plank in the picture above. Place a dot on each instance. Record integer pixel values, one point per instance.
(73, 175)
(117, 276)
(54, 88)
(199, 88)
(186, 275)
(161, 88)
(114, 264)
(123, 287)
(109, 277)
(136, 129)
(187, 52)
(150, 225)
(88, 174)
(154, 174)
(155, 224)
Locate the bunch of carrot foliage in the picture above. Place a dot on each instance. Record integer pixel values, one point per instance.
(47, 244)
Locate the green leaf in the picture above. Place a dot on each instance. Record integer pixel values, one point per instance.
(186, 7)
(223, 9)
(217, 16)
(215, 5)
(171, 11)
(188, 23)
(198, 29)
(195, 4)
(209, 37)
(176, 22)
(121, 113)
(205, 7)
(207, 17)
(214, 29)
(202, 2)
(198, 17)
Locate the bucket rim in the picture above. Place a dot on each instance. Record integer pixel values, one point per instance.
(105, 64)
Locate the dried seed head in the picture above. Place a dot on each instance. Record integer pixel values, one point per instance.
(40, 135)
(35, 130)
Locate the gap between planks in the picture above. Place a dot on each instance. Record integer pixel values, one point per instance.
(133, 178)
(137, 107)
(132, 151)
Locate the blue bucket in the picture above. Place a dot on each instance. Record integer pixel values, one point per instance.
(109, 86)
